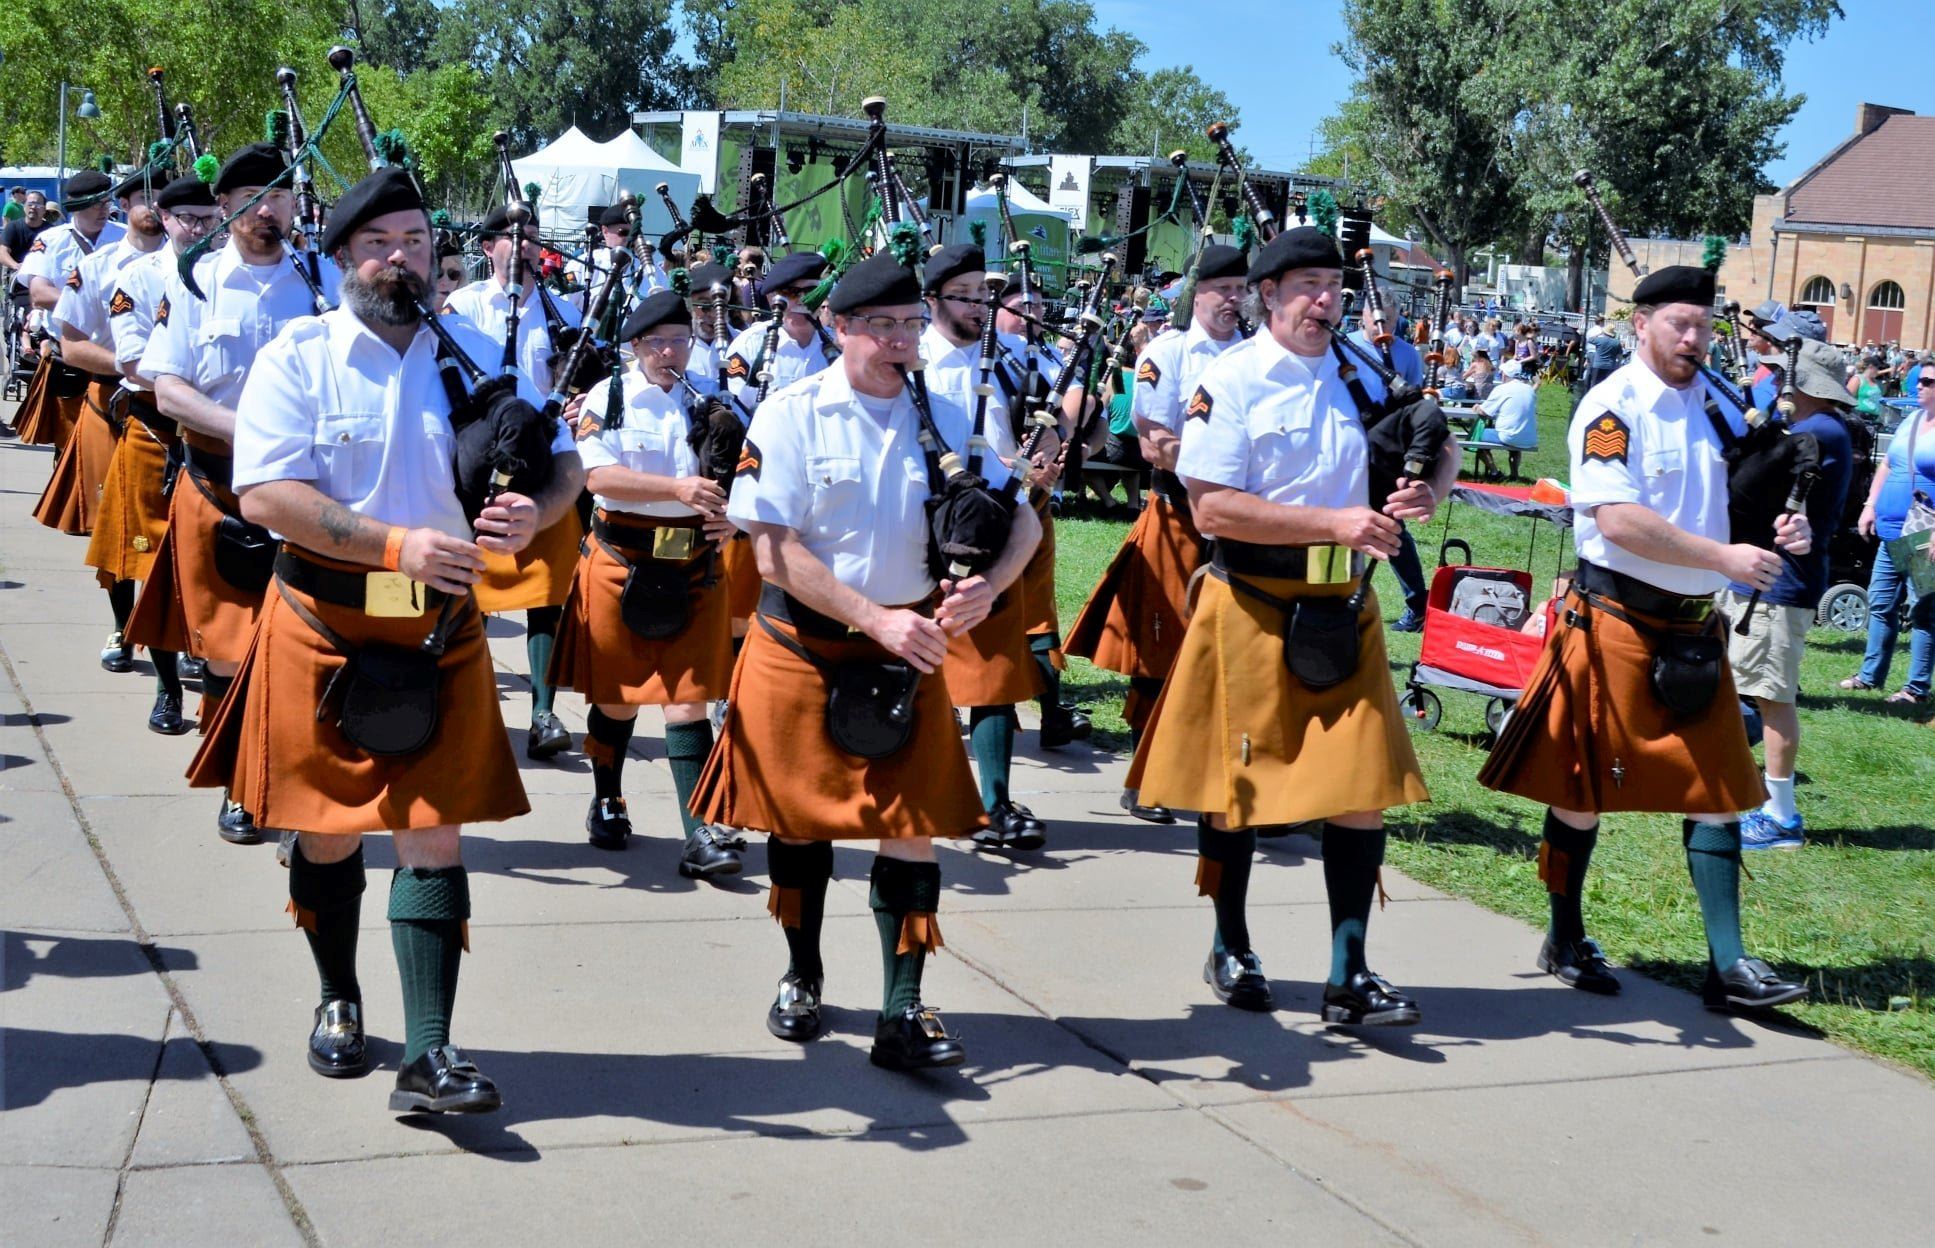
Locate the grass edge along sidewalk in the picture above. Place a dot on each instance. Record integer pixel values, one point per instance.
(1854, 910)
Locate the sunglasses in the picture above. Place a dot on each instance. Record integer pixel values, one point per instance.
(1925, 380)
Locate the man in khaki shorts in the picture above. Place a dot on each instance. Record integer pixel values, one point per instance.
(1767, 659)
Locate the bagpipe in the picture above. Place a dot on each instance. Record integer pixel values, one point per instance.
(1075, 370)
(586, 361)
(1185, 306)
(1770, 468)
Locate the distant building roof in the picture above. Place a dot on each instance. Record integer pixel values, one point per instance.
(1879, 177)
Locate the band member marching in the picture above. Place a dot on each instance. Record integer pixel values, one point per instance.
(1280, 707)
(86, 201)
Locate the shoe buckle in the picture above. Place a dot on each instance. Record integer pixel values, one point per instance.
(795, 997)
(929, 1022)
(450, 1057)
(342, 1018)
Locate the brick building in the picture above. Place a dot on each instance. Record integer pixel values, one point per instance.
(1853, 237)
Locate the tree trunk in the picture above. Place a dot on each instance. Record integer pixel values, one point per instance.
(1575, 272)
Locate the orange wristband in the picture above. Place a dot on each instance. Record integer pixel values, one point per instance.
(393, 547)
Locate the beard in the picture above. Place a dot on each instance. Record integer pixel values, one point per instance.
(145, 222)
(389, 298)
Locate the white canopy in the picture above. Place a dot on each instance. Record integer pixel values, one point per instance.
(981, 201)
(577, 176)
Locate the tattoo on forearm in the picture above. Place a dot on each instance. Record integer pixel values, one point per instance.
(339, 522)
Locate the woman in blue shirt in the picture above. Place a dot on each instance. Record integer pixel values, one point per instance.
(1888, 502)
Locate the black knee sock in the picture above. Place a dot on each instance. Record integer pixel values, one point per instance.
(905, 896)
(167, 671)
(686, 748)
(1563, 858)
(428, 909)
(540, 635)
(1146, 689)
(215, 688)
(1223, 875)
(1713, 860)
(121, 602)
(799, 875)
(1040, 646)
(1351, 859)
(328, 902)
(991, 737)
(606, 740)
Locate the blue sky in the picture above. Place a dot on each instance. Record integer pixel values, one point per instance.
(1284, 84)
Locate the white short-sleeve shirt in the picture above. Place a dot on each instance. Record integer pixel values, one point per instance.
(1636, 439)
(55, 253)
(955, 371)
(131, 308)
(654, 437)
(486, 305)
(1277, 425)
(851, 483)
(211, 343)
(1167, 371)
(88, 291)
(791, 362)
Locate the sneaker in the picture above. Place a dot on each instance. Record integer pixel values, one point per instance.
(1760, 830)
(1409, 622)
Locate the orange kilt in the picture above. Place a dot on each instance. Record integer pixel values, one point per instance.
(1037, 584)
(186, 605)
(1589, 734)
(603, 659)
(73, 493)
(1135, 617)
(291, 770)
(45, 417)
(741, 572)
(989, 665)
(133, 516)
(1235, 734)
(774, 769)
(537, 576)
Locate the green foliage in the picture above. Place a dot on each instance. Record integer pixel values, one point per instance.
(1170, 109)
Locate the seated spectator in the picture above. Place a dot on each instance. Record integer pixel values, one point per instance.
(1865, 386)
(1512, 412)
(1894, 488)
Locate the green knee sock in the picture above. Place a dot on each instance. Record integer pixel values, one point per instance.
(803, 871)
(1227, 857)
(1039, 646)
(991, 736)
(540, 635)
(1713, 860)
(329, 903)
(901, 888)
(686, 748)
(1351, 860)
(428, 908)
(167, 671)
(1563, 859)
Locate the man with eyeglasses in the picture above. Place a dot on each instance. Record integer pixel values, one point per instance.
(833, 486)
(800, 351)
(615, 228)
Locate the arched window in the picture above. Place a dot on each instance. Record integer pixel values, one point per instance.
(1888, 297)
(1820, 290)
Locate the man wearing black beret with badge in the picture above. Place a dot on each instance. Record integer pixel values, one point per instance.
(1632, 705)
(795, 351)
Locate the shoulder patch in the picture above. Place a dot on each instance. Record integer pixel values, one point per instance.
(40, 244)
(1199, 405)
(1607, 440)
(161, 311)
(120, 304)
(749, 460)
(74, 279)
(737, 367)
(1148, 372)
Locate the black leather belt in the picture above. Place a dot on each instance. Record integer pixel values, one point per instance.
(775, 603)
(208, 467)
(339, 588)
(640, 532)
(1315, 565)
(1636, 595)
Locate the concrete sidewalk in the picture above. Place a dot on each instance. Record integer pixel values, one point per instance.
(156, 1002)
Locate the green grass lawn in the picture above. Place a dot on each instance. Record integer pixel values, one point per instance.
(1854, 911)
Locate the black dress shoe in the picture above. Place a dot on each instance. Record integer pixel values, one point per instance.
(191, 668)
(165, 718)
(548, 738)
(1016, 827)
(1578, 964)
(1749, 984)
(1148, 814)
(1367, 1000)
(336, 1048)
(795, 1014)
(235, 825)
(1237, 979)
(1063, 724)
(610, 827)
(915, 1040)
(706, 855)
(444, 1081)
(117, 655)
(732, 838)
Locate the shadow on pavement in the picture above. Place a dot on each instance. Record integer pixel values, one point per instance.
(40, 1063)
(79, 957)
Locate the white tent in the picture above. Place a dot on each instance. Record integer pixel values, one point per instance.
(1045, 227)
(577, 176)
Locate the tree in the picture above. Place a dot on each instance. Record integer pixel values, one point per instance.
(395, 33)
(1172, 109)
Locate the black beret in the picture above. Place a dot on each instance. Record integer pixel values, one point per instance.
(258, 164)
(706, 276)
(84, 188)
(951, 262)
(498, 223)
(185, 192)
(1221, 261)
(390, 189)
(661, 307)
(1305, 247)
(801, 266)
(879, 281)
(1016, 288)
(615, 215)
(141, 179)
(1676, 283)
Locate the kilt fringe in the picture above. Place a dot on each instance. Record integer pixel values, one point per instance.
(783, 904)
(919, 929)
(1209, 877)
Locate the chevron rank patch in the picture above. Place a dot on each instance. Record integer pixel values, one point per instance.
(40, 244)
(161, 311)
(1147, 371)
(1199, 405)
(74, 280)
(1607, 440)
(748, 461)
(120, 304)
(736, 366)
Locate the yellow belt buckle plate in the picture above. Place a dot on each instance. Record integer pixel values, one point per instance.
(391, 596)
(674, 543)
(1327, 565)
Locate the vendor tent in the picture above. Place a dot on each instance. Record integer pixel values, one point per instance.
(1045, 228)
(577, 177)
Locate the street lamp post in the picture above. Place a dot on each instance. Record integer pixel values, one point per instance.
(87, 111)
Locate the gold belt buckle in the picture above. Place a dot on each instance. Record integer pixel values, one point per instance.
(673, 543)
(391, 596)
(1327, 565)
